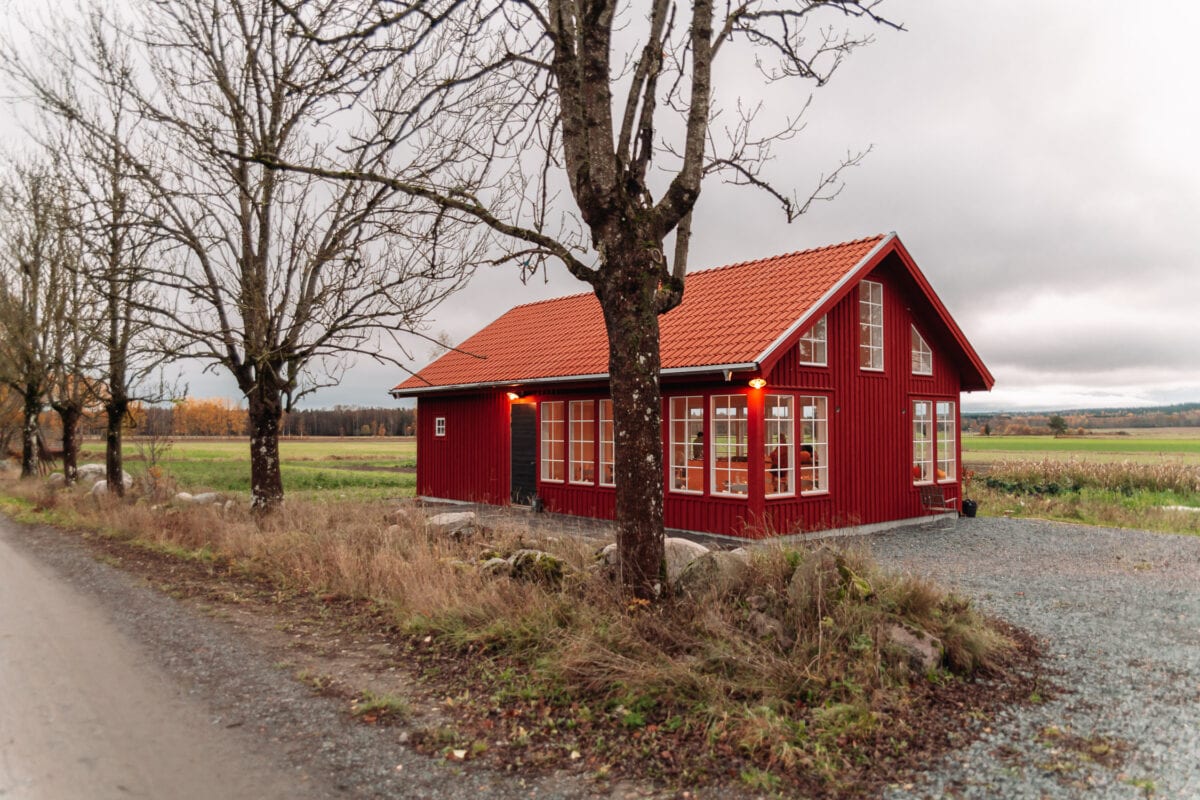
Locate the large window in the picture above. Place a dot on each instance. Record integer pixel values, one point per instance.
(553, 443)
(813, 345)
(779, 431)
(947, 428)
(813, 458)
(583, 441)
(607, 449)
(870, 325)
(687, 444)
(729, 449)
(922, 356)
(922, 422)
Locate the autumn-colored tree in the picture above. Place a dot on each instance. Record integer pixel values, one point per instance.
(208, 417)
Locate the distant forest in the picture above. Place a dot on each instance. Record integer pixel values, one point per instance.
(1005, 423)
(220, 417)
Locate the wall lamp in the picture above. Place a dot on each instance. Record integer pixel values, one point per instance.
(514, 395)
(757, 383)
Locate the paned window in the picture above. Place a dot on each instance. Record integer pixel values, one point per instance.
(870, 325)
(813, 345)
(779, 431)
(553, 443)
(947, 428)
(687, 444)
(729, 449)
(439, 426)
(583, 441)
(922, 421)
(813, 458)
(608, 475)
(922, 356)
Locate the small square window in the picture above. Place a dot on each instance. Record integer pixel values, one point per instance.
(439, 426)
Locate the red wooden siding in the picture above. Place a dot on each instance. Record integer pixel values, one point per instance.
(471, 462)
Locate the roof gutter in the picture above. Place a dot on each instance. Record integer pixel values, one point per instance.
(832, 292)
(601, 376)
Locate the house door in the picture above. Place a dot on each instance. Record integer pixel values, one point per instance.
(523, 445)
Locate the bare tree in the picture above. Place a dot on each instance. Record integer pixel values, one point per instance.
(594, 125)
(35, 251)
(275, 277)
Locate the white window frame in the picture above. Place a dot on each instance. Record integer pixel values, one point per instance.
(582, 431)
(814, 344)
(685, 426)
(813, 415)
(922, 442)
(608, 450)
(946, 446)
(552, 432)
(439, 426)
(728, 424)
(779, 445)
(922, 356)
(870, 326)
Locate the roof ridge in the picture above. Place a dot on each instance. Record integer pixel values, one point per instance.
(875, 238)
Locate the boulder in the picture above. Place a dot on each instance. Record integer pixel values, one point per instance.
(100, 488)
(496, 567)
(680, 553)
(607, 555)
(459, 525)
(815, 577)
(537, 566)
(183, 497)
(763, 626)
(922, 652)
(717, 570)
(90, 472)
(205, 498)
(56, 480)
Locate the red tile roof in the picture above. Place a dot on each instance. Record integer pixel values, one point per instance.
(729, 315)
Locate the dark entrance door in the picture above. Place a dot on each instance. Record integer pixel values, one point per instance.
(523, 438)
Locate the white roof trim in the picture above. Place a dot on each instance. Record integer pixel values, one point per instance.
(601, 376)
(833, 290)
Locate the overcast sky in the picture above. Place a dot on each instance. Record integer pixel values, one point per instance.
(1038, 160)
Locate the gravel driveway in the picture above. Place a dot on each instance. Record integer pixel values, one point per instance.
(1119, 615)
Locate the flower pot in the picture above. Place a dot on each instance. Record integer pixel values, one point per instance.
(969, 507)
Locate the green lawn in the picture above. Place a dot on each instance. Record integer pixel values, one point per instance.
(984, 450)
(315, 468)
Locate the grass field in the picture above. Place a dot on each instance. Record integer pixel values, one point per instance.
(1146, 479)
(355, 468)
(1147, 447)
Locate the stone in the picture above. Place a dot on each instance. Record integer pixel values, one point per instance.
(55, 480)
(496, 567)
(459, 525)
(183, 497)
(680, 553)
(205, 498)
(922, 652)
(815, 577)
(100, 488)
(537, 566)
(90, 472)
(717, 570)
(608, 555)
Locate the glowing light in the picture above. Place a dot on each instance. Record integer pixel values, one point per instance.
(757, 383)
(513, 396)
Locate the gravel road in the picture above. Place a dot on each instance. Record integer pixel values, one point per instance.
(1119, 613)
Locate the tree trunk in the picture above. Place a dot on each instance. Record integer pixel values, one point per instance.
(31, 407)
(70, 414)
(266, 481)
(633, 362)
(115, 411)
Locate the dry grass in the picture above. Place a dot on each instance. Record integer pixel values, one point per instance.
(786, 665)
(1123, 494)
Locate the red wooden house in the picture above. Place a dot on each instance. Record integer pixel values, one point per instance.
(808, 391)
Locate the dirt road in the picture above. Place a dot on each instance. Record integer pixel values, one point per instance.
(84, 713)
